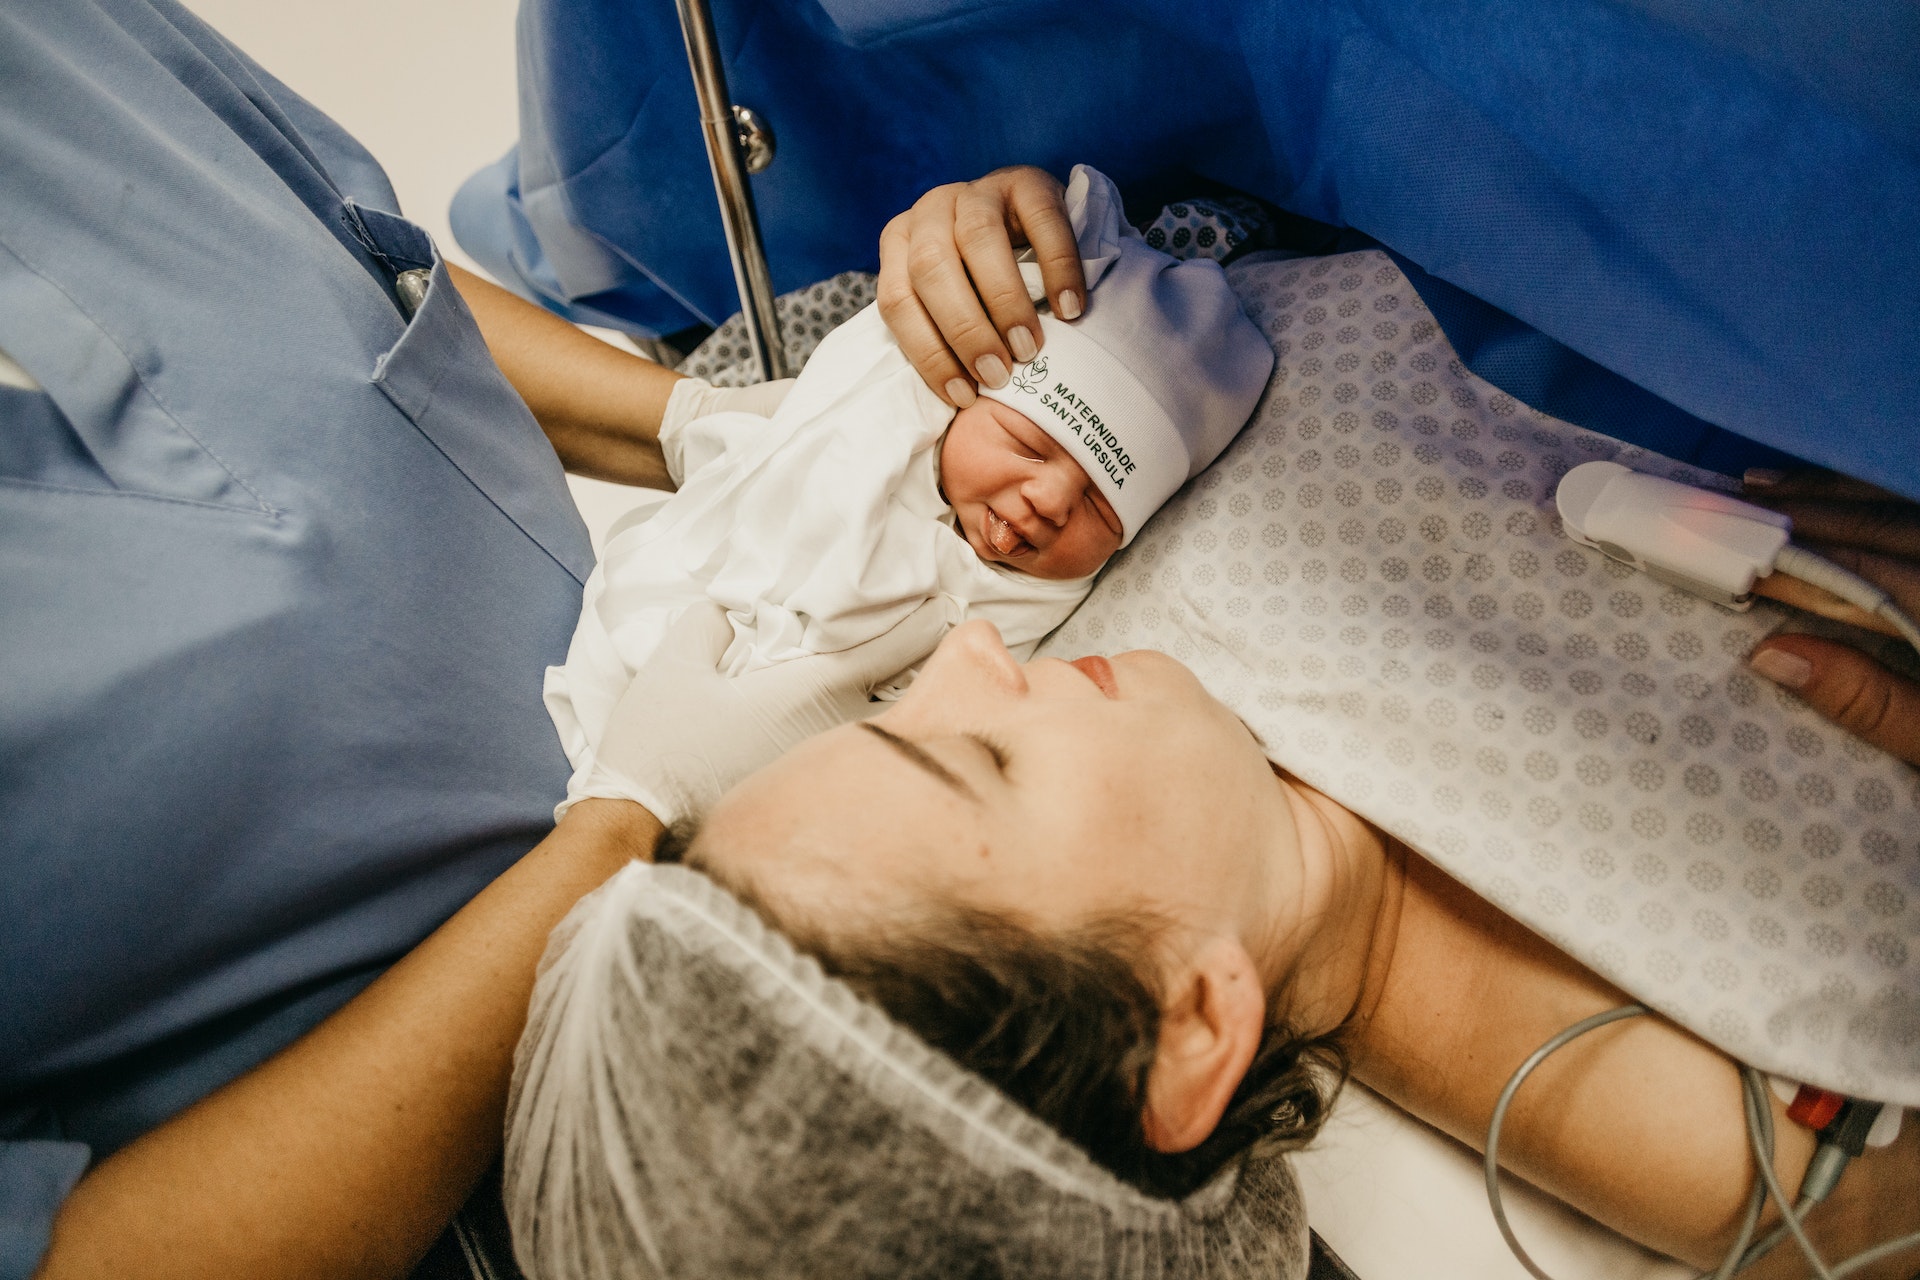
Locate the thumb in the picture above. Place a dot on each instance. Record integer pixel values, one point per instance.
(1848, 688)
(762, 398)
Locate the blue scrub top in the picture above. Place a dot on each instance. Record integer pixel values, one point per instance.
(1717, 206)
(280, 570)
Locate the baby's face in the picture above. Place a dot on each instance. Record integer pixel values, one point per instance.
(1020, 498)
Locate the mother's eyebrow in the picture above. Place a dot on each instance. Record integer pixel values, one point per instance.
(914, 752)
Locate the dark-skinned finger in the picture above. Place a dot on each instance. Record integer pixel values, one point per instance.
(945, 289)
(1891, 528)
(1761, 483)
(1898, 577)
(986, 245)
(1822, 603)
(1036, 205)
(912, 327)
(1848, 688)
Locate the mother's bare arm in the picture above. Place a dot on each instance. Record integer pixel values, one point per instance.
(345, 1155)
(1639, 1124)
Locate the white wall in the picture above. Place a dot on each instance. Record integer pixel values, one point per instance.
(426, 85)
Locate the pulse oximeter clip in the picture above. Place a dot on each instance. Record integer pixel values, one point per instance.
(1709, 544)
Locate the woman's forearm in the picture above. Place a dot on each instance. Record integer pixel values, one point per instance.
(345, 1155)
(600, 406)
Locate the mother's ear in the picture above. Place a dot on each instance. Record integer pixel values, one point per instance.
(1211, 1020)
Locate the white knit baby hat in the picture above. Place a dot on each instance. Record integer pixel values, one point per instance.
(1158, 375)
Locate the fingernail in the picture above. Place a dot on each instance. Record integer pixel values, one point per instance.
(991, 371)
(1762, 477)
(1022, 343)
(1789, 670)
(1068, 308)
(960, 391)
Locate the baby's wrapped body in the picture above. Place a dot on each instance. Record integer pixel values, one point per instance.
(817, 529)
(864, 497)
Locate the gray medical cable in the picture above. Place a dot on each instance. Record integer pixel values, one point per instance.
(1790, 1214)
(1867, 1257)
(1759, 1118)
(1798, 562)
(1519, 1078)
(1760, 1137)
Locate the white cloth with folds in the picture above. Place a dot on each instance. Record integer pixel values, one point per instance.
(816, 529)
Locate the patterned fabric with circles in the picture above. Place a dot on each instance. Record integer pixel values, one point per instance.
(1375, 577)
(1214, 227)
(805, 316)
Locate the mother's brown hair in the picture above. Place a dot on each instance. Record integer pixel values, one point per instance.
(1065, 1024)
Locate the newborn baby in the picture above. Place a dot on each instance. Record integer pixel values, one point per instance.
(864, 495)
(1020, 498)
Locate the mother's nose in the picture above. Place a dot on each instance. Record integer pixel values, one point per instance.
(972, 662)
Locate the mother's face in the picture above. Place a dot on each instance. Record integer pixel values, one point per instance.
(1062, 792)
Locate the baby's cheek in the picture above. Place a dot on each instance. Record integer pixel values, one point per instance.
(965, 461)
(961, 481)
(1081, 550)
(1101, 542)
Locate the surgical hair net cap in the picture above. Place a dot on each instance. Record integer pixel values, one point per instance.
(1155, 380)
(694, 1098)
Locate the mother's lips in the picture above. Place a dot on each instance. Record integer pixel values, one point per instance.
(1100, 671)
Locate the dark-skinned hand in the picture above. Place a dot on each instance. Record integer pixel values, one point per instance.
(1876, 534)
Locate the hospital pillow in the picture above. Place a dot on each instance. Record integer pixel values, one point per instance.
(694, 1098)
(1374, 576)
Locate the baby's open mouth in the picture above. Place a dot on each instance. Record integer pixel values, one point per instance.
(1003, 537)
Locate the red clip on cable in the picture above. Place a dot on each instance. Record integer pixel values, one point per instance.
(1815, 1108)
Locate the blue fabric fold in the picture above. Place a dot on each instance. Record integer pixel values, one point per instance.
(35, 1177)
(1720, 206)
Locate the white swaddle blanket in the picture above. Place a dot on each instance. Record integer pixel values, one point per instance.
(1373, 575)
(817, 529)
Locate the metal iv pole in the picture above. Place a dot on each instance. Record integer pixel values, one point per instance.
(738, 143)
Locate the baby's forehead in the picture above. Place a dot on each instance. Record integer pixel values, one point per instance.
(986, 411)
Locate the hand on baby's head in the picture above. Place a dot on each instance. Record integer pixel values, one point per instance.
(1148, 386)
(1020, 498)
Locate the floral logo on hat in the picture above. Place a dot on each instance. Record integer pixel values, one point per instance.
(1028, 376)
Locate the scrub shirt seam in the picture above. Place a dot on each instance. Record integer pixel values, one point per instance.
(138, 495)
(146, 389)
(495, 502)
